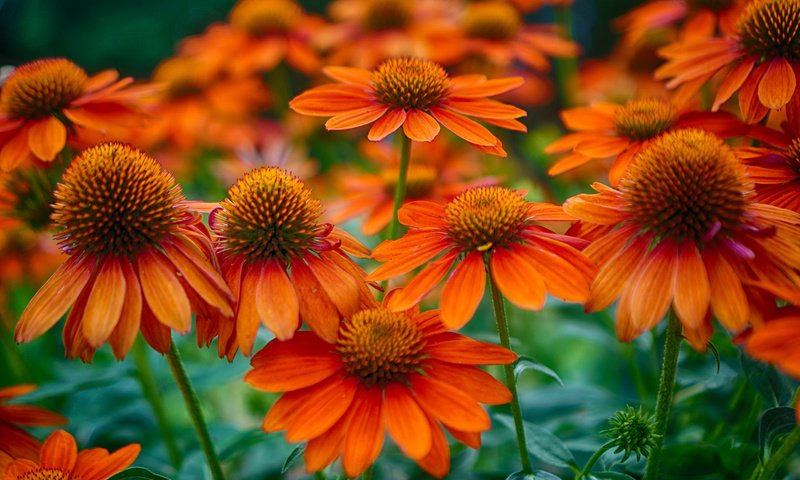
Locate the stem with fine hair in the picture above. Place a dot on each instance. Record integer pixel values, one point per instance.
(400, 188)
(193, 406)
(666, 386)
(594, 458)
(776, 460)
(511, 379)
(147, 381)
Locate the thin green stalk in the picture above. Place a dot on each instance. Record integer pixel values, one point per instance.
(666, 386)
(147, 380)
(778, 459)
(594, 458)
(196, 414)
(280, 86)
(400, 188)
(511, 379)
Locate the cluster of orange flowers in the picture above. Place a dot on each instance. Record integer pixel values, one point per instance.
(700, 215)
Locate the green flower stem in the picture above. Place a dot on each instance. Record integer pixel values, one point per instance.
(511, 379)
(779, 458)
(666, 387)
(147, 380)
(319, 475)
(599, 453)
(400, 188)
(193, 406)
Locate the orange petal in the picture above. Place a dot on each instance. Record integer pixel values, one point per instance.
(97, 464)
(322, 450)
(322, 409)
(595, 118)
(465, 128)
(46, 138)
(473, 381)
(417, 254)
(519, 280)
(59, 451)
(54, 298)
(483, 108)
(422, 213)
(30, 416)
(202, 277)
(104, 305)
(692, 292)
(650, 292)
(463, 291)
(749, 104)
(570, 162)
(777, 85)
(437, 461)
(316, 309)
(355, 76)
(455, 348)
(728, 299)
(602, 147)
(124, 335)
(247, 318)
(407, 423)
(419, 126)
(364, 437)
(422, 283)
(15, 151)
(163, 291)
(356, 118)
(733, 81)
(387, 124)
(595, 208)
(470, 86)
(341, 287)
(449, 405)
(276, 301)
(615, 274)
(300, 362)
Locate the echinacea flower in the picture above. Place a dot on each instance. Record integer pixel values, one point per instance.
(760, 62)
(607, 130)
(138, 259)
(775, 171)
(400, 373)
(281, 262)
(60, 459)
(484, 226)
(682, 230)
(416, 94)
(14, 441)
(42, 103)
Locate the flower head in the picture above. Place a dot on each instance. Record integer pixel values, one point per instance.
(416, 94)
(282, 262)
(759, 61)
(14, 441)
(60, 459)
(386, 371)
(682, 230)
(137, 258)
(775, 171)
(632, 431)
(487, 225)
(46, 102)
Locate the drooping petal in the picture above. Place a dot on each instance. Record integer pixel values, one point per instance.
(777, 85)
(364, 437)
(387, 124)
(650, 292)
(437, 461)
(46, 138)
(317, 310)
(728, 299)
(294, 364)
(449, 405)
(407, 423)
(733, 81)
(163, 291)
(356, 118)
(465, 128)
(455, 348)
(276, 302)
(472, 380)
(463, 291)
(519, 281)
(322, 410)
(419, 126)
(104, 305)
(422, 283)
(692, 291)
(127, 329)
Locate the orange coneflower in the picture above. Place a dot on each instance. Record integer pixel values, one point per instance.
(281, 262)
(386, 371)
(416, 94)
(492, 224)
(138, 259)
(60, 459)
(14, 441)
(45, 102)
(775, 167)
(682, 229)
(437, 172)
(760, 61)
(606, 130)
(698, 18)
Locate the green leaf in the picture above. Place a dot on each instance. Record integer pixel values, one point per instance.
(296, 453)
(612, 476)
(137, 473)
(521, 476)
(542, 444)
(542, 475)
(714, 352)
(768, 382)
(774, 423)
(524, 363)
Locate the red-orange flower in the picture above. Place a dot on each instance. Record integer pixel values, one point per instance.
(138, 259)
(396, 372)
(44, 102)
(760, 62)
(607, 130)
(281, 262)
(416, 94)
(775, 172)
(14, 441)
(682, 230)
(60, 459)
(492, 225)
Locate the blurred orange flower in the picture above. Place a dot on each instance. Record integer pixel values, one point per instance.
(760, 61)
(396, 372)
(607, 130)
(138, 259)
(268, 226)
(59, 459)
(775, 171)
(682, 230)
(45, 102)
(14, 441)
(492, 225)
(416, 94)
